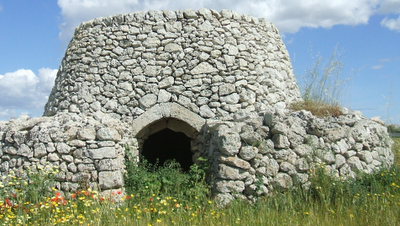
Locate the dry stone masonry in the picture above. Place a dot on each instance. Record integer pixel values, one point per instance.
(180, 85)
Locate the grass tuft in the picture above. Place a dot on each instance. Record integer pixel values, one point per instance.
(318, 109)
(322, 87)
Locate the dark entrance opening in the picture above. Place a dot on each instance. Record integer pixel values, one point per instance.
(167, 145)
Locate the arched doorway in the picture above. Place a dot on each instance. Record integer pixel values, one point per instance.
(168, 131)
(168, 145)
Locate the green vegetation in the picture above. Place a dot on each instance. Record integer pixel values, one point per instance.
(393, 128)
(167, 196)
(322, 87)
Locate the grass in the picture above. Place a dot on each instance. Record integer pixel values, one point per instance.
(368, 200)
(323, 88)
(318, 109)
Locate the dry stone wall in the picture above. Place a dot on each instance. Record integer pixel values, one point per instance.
(255, 155)
(221, 78)
(211, 63)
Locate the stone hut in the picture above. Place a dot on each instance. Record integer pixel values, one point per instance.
(179, 85)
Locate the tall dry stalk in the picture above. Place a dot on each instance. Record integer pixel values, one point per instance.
(323, 84)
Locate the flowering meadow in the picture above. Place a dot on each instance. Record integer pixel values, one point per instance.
(170, 197)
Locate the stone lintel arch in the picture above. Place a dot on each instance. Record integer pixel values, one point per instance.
(176, 118)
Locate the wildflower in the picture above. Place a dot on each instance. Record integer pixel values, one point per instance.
(118, 192)
(158, 220)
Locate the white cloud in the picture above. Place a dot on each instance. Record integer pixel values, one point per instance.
(389, 6)
(287, 15)
(23, 91)
(377, 67)
(392, 24)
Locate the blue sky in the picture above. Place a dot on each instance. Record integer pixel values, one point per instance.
(34, 35)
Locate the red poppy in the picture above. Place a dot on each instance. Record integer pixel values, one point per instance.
(86, 193)
(127, 197)
(8, 202)
(73, 196)
(118, 192)
(151, 199)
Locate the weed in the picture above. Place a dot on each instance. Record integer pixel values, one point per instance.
(322, 87)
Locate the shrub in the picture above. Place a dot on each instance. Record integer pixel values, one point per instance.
(144, 179)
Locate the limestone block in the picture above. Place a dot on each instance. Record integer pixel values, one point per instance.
(86, 133)
(340, 147)
(288, 168)
(229, 186)
(203, 68)
(223, 199)
(151, 42)
(365, 156)
(228, 141)
(53, 157)
(301, 178)
(102, 153)
(340, 160)
(67, 158)
(280, 141)
(25, 151)
(148, 100)
(110, 164)
(72, 167)
(110, 179)
(354, 163)
(39, 150)
(301, 165)
(325, 155)
(206, 26)
(108, 133)
(251, 138)
(231, 98)
(248, 152)
(235, 161)
(163, 96)
(4, 167)
(283, 181)
(86, 167)
(272, 167)
(63, 148)
(349, 154)
(166, 82)
(173, 47)
(206, 112)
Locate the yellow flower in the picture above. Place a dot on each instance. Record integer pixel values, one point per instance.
(158, 220)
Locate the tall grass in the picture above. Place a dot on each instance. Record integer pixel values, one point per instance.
(322, 87)
(368, 200)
